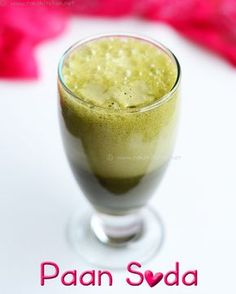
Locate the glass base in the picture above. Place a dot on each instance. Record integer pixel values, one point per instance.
(91, 242)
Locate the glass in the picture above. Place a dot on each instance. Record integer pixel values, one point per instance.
(118, 159)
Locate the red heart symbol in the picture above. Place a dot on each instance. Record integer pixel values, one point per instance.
(153, 279)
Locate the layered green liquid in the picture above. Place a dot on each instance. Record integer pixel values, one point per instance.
(117, 141)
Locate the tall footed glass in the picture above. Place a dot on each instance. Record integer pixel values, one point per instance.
(118, 125)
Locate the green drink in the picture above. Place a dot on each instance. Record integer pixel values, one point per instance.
(119, 107)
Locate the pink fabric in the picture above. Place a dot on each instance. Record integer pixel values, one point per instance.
(110, 8)
(21, 28)
(211, 23)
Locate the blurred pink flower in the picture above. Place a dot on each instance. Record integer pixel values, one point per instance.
(21, 28)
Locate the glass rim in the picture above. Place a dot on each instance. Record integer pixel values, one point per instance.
(163, 99)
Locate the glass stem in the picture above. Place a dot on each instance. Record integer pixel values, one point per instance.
(117, 229)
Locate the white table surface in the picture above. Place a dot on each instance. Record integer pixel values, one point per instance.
(196, 199)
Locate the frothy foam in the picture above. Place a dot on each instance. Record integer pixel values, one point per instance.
(119, 72)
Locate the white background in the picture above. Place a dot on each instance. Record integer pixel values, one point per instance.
(196, 199)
